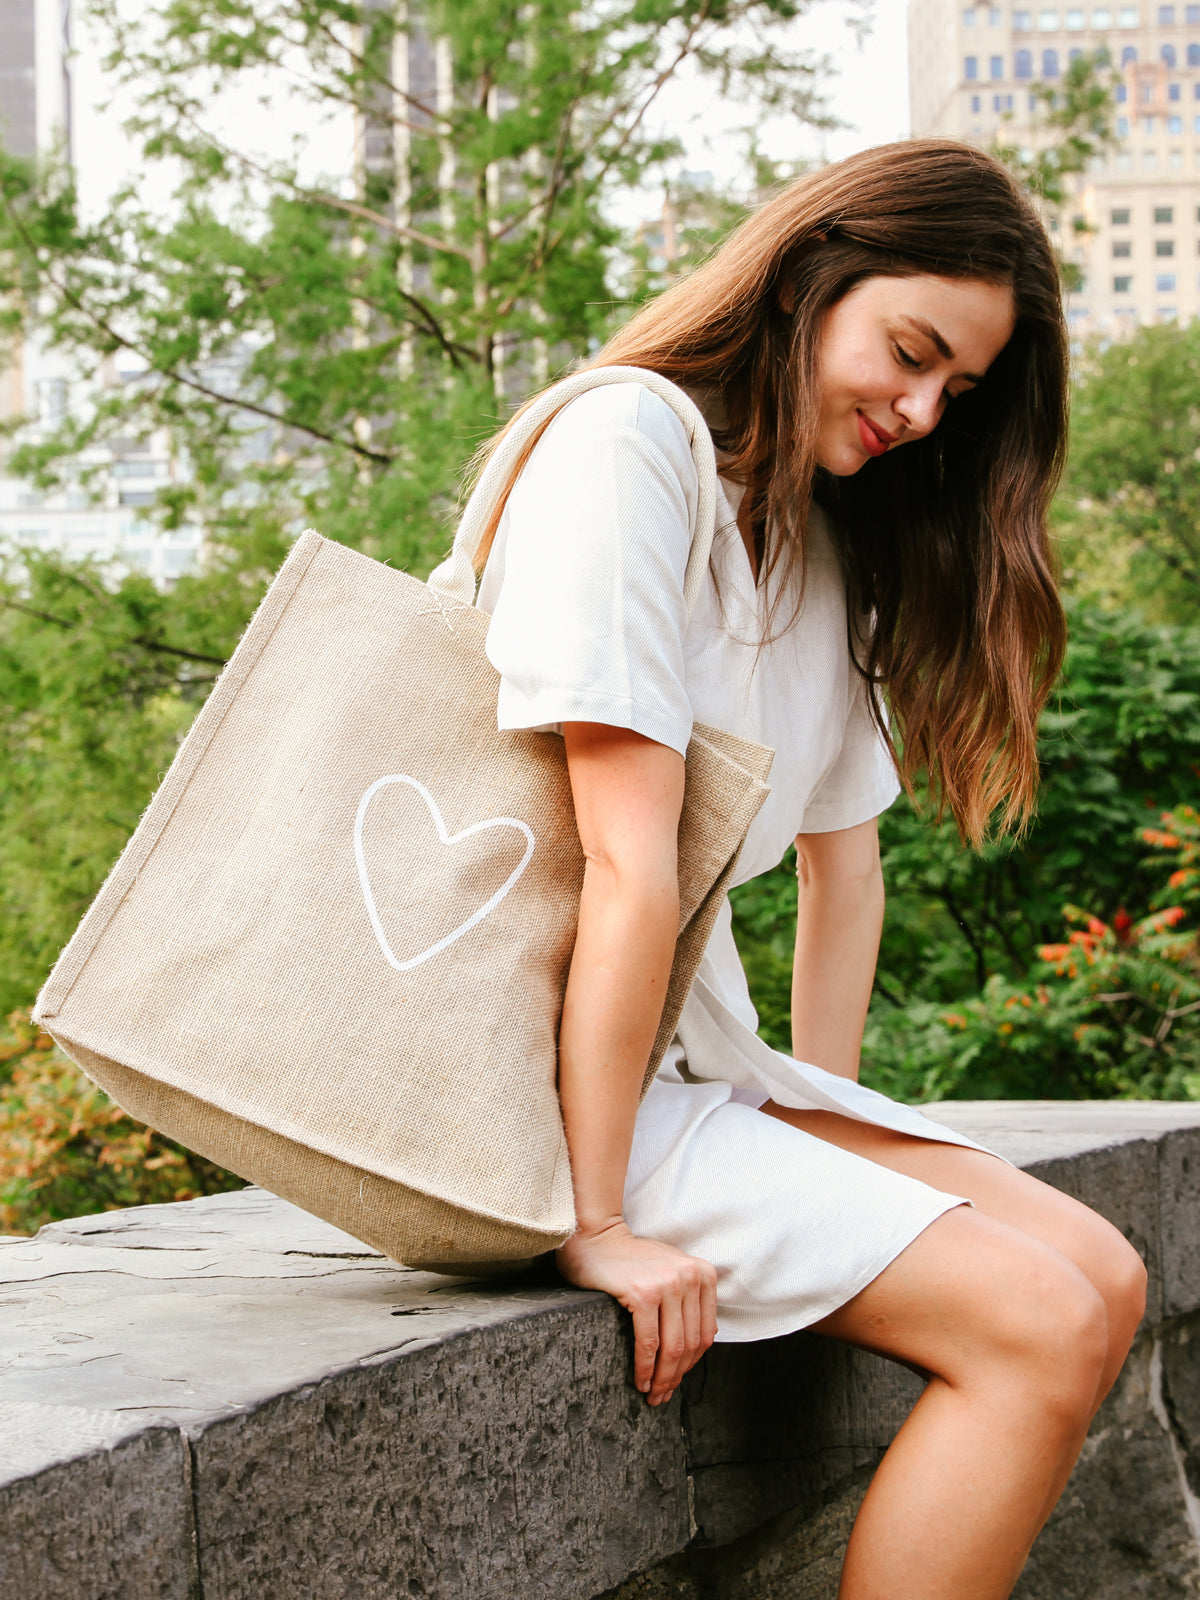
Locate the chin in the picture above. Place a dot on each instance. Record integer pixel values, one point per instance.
(842, 466)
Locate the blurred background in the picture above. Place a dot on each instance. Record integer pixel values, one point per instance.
(286, 263)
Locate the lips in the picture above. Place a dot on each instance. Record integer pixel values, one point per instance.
(874, 440)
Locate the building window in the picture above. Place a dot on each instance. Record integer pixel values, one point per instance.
(996, 64)
(1168, 55)
(1196, 125)
(1164, 247)
(1149, 160)
(996, 17)
(1122, 285)
(1164, 216)
(976, 104)
(1164, 283)
(1128, 56)
(1175, 159)
(969, 17)
(1024, 64)
(1119, 217)
(1127, 17)
(1194, 57)
(1122, 249)
(1174, 91)
(1147, 124)
(1174, 124)
(1075, 21)
(1102, 18)
(1124, 161)
(1022, 21)
(1049, 63)
(1122, 94)
(1048, 21)
(1191, 13)
(1166, 16)
(971, 68)
(1122, 127)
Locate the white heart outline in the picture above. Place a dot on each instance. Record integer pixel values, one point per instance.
(476, 917)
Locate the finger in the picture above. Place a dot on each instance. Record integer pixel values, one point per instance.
(645, 1344)
(669, 1367)
(708, 1310)
(690, 1308)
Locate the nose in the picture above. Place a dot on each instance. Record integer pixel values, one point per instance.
(920, 408)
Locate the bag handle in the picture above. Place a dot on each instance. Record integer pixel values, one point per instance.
(455, 577)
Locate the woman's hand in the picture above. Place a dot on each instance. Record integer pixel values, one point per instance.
(671, 1296)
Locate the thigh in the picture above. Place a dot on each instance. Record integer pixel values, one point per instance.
(1000, 1191)
(972, 1301)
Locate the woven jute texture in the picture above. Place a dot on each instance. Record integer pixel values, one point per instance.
(333, 954)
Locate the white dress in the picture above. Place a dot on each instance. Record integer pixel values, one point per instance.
(585, 588)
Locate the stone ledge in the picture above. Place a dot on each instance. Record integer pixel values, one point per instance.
(229, 1400)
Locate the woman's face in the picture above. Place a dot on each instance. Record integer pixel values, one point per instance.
(894, 353)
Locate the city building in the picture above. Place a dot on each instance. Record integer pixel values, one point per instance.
(101, 512)
(1133, 223)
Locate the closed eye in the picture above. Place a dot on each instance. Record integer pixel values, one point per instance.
(904, 357)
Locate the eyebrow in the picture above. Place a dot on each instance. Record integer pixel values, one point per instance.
(931, 333)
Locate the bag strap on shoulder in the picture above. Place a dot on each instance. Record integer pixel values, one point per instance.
(455, 577)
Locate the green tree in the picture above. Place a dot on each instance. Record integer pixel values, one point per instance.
(319, 352)
(1128, 516)
(1119, 745)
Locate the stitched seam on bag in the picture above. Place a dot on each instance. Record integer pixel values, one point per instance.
(69, 967)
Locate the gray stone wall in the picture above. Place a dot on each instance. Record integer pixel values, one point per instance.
(228, 1400)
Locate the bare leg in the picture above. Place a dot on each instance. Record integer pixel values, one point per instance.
(1102, 1254)
(1020, 1339)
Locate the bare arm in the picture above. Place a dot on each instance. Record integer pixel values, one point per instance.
(838, 925)
(628, 793)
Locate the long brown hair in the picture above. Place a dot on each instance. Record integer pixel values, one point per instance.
(943, 541)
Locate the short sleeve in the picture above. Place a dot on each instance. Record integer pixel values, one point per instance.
(862, 781)
(585, 583)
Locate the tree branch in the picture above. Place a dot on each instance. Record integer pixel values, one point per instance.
(121, 342)
(139, 639)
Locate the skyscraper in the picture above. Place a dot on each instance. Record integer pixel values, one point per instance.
(1133, 224)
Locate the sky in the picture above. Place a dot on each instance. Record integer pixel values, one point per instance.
(868, 92)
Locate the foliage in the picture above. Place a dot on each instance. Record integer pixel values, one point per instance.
(1119, 744)
(330, 354)
(317, 354)
(1128, 515)
(66, 1150)
(1113, 1010)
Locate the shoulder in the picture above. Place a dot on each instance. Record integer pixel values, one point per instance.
(626, 420)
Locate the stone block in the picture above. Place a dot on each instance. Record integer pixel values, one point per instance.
(1179, 1210)
(94, 1510)
(781, 1422)
(1125, 1528)
(516, 1462)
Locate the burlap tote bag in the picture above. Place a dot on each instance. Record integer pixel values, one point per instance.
(332, 956)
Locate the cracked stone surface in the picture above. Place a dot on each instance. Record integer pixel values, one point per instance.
(230, 1400)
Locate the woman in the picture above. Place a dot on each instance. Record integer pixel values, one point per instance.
(881, 357)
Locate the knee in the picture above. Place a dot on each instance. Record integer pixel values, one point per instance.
(1053, 1340)
(1120, 1278)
